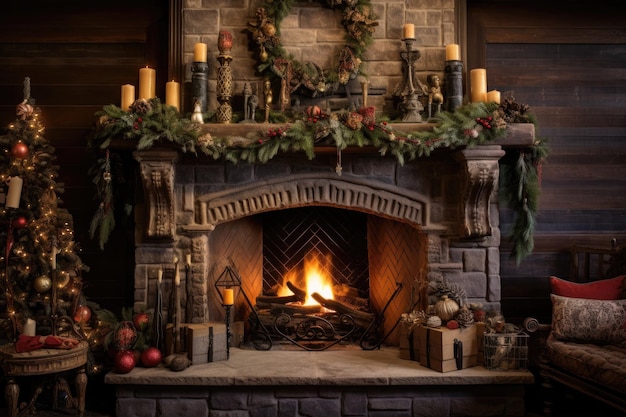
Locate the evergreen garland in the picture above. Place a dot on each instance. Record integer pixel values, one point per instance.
(149, 123)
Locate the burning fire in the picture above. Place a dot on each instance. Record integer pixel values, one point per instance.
(317, 279)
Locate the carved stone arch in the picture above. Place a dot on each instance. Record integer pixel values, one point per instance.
(368, 196)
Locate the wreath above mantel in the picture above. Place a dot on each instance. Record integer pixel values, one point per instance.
(265, 29)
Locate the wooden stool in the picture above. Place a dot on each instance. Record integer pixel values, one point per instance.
(44, 362)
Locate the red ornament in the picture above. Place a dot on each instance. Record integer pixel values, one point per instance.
(82, 314)
(19, 150)
(224, 41)
(124, 362)
(452, 324)
(19, 222)
(125, 336)
(313, 111)
(151, 357)
(141, 321)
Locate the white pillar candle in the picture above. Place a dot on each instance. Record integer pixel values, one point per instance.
(172, 94)
(128, 96)
(453, 52)
(493, 96)
(30, 327)
(147, 83)
(15, 192)
(409, 31)
(478, 85)
(199, 52)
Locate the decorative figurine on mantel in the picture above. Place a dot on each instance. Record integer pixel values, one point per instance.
(197, 115)
(435, 97)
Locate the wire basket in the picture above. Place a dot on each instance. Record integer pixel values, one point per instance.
(506, 351)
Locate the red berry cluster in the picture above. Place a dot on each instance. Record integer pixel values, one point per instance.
(137, 123)
(484, 121)
(274, 133)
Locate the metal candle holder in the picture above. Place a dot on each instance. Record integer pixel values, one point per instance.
(454, 84)
(411, 106)
(228, 307)
(199, 76)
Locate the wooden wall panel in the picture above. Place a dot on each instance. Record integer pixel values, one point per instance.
(571, 71)
(77, 57)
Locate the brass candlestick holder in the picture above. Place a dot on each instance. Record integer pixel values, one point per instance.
(411, 105)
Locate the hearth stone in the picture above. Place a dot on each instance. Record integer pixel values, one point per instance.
(339, 383)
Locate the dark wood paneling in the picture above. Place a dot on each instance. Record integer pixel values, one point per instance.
(77, 57)
(570, 70)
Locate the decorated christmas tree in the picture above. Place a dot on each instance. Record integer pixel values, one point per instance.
(41, 272)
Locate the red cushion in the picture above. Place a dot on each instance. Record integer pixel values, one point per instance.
(606, 289)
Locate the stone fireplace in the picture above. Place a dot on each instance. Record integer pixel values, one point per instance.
(429, 220)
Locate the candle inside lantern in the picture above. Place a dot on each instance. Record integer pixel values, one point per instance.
(128, 96)
(228, 297)
(15, 192)
(409, 31)
(453, 52)
(30, 327)
(199, 52)
(172, 94)
(147, 83)
(478, 85)
(493, 96)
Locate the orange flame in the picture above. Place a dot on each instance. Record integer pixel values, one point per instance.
(317, 279)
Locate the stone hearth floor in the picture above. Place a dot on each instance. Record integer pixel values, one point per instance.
(350, 367)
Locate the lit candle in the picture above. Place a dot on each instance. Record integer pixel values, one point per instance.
(172, 94)
(147, 83)
(30, 327)
(229, 297)
(478, 85)
(453, 52)
(493, 96)
(15, 192)
(177, 277)
(409, 31)
(199, 52)
(128, 96)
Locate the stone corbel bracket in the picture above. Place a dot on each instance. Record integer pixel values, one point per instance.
(481, 174)
(157, 175)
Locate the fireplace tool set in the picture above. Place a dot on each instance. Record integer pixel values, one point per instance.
(310, 332)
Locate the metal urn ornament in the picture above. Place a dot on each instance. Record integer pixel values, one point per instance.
(446, 308)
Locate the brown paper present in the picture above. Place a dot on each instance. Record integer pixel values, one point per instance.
(446, 350)
(409, 342)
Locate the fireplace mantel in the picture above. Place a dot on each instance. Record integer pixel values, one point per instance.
(480, 166)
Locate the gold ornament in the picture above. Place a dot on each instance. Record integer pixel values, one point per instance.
(42, 284)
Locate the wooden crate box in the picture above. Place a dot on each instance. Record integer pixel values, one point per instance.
(446, 350)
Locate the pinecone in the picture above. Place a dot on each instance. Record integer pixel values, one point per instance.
(465, 317)
(141, 106)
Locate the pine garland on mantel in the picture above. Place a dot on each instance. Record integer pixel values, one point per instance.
(150, 123)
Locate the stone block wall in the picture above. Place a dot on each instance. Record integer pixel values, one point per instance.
(311, 30)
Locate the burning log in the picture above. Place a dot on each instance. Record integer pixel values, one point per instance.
(295, 309)
(275, 299)
(361, 317)
(297, 291)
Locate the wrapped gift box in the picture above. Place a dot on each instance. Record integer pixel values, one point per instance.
(446, 350)
(203, 342)
(409, 342)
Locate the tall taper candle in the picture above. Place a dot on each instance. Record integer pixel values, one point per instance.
(147, 83)
(128, 96)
